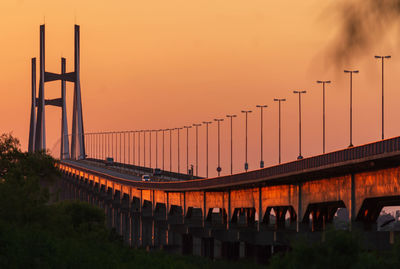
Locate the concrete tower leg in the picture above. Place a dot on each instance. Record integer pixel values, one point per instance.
(77, 143)
(32, 126)
(40, 137)
(64, 152)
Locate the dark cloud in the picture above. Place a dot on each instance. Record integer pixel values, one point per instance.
(362, 24)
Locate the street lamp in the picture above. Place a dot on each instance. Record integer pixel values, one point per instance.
(139, 132)
(261, 134)
(323, 82)
(157, 147)
(351, 72)
(219, 164)
(150, 131)
(179, 159)
(197, 146)
(163, 147)
(187, 147)
(112, 145)
(119, 148)
(231, 117)
(108, 144)
(246, 164)
(299, 93)
(124, 147)
(207, 123)
(280, 100)
(383, 111)
(170, 149)
(134, 147)
(144, 148)
(99, 145)
(129, 147)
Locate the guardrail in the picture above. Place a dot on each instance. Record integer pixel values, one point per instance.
(147, 170)
(341, 157)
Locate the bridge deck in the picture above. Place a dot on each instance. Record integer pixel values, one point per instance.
(103, 170)
(369, 156)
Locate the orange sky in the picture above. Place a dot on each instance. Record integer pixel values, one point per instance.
(162, 64)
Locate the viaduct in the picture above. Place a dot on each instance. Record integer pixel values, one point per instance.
(229, 216)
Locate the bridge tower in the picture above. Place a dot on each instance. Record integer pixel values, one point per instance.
(37, 131)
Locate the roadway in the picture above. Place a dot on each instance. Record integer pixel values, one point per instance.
(103, 170)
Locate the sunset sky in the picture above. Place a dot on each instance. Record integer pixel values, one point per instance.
(163, 64)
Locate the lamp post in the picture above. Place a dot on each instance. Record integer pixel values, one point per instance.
(144, 148)
(108, 144)
(280, 100)
(299, 93)
(94, 145)
(129, 147)
(98, 144)
(231, 118)
(170, 149)
(179, 158)
(134, 147)
(219, 147)
(197, 147)
(150, 131)
(323, 82)
(116, 145)
(187, 147)
(163, 148)
(261, 107)
(157, 147)
(139, 132)
(383, 110)
(207, 123)
(124, 147)
(112, 145)
(246, 164)
(351, 72)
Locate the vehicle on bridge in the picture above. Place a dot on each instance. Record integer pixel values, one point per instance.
(145, 178)
(109, 161)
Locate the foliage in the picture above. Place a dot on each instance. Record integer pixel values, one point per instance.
(342, 249)
(35, 233)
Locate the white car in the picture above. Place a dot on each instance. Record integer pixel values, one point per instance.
(145, 178)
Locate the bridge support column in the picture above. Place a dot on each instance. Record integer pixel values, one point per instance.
(197, 246)
(147, 229)
(141, 219)
(242, 248)
(102, 198)
(299, 208)
(125, 223)
(217, 249)
(352, 211)
(135, 229)
(116, 208)
(109, 208)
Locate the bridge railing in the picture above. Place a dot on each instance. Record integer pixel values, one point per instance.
(163, 174)
(337, 158)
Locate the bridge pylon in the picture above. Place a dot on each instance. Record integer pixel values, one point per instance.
(37, 131)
